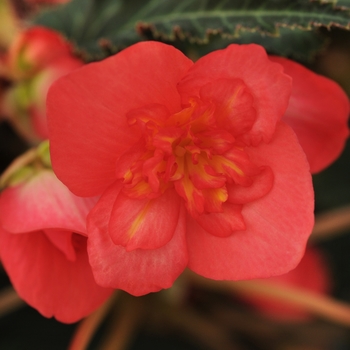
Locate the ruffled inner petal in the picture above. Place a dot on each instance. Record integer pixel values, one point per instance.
(261, 185)
(265, 80)
(144, 223)
(223, 224)
(139, 271)
(234, 104)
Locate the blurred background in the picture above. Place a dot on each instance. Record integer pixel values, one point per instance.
(196, 315)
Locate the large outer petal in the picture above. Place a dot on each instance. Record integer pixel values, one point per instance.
(318, 112)
(140, 271)
(43, 202)
(265, 80)
(86, 111)
(46, 280)
(278, 224)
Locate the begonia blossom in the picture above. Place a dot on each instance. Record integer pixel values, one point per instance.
(34, 61)
(43, 241)
(195, 163)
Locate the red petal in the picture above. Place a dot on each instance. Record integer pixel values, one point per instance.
(43, 202)
(62, 240)
(46, 280)
(144, 223)
(278, 224)
(140, 271)
(266, 82)
(318, 112)
(87, 111)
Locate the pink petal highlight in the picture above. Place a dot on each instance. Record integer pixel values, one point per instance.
(43, 202)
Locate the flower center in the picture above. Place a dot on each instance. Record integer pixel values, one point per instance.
(188, 151)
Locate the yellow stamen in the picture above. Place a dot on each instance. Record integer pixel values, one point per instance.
(138, 220)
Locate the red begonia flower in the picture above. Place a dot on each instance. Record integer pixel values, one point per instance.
(43, 248)
(192, 161)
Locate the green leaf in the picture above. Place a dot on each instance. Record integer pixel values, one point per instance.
(100, 27)
(289, 42)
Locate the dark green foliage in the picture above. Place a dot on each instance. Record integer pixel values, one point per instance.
(284, 27)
